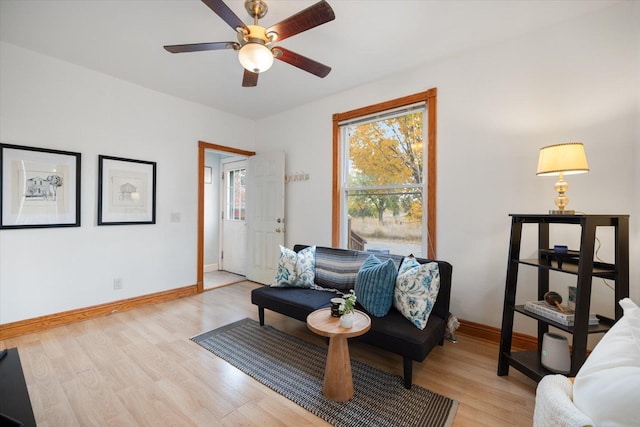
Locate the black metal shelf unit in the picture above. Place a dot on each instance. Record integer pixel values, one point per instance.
(578, 263)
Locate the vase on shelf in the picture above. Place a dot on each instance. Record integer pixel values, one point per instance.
(346, 320)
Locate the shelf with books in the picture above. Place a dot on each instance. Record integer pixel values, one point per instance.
(592, 329)
(574, 262)
(564, 316)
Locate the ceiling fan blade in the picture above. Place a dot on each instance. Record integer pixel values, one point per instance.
(224, 12)
(302, 62)
(197, 47)
(249, 79)
(317, 14)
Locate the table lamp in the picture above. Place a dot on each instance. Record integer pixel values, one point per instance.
(562, 159)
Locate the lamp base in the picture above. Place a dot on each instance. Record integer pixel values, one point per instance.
(562, 212)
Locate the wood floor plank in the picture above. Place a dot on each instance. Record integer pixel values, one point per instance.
(92, 401)
(139, 368)
(280, 408)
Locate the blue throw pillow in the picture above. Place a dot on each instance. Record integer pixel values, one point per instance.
(375, 285)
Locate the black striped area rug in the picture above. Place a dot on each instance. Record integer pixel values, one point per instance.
(295, 369)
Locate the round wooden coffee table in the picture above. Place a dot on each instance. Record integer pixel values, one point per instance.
(338, 384)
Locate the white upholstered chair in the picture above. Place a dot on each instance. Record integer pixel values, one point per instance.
(554, 404)
(606, 389)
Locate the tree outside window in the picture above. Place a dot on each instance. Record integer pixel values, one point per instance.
(382, 192)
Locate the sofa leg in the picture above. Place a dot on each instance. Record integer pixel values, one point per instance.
(408, 372)
(261, 315)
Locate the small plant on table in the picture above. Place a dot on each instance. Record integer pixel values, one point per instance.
(349, 304)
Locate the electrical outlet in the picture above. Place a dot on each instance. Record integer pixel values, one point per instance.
(117, 284)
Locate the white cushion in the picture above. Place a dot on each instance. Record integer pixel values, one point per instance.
(296, 270)
(607, 387)
(416, 291)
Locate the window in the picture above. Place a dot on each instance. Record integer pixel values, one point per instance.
(384, 177)
(236, 194)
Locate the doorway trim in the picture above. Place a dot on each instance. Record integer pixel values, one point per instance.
(202, 147)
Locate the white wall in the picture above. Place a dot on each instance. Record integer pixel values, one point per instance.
(53, 104)
(497, 106)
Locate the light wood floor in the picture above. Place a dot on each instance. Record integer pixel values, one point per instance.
(218, 278)
(140, 368)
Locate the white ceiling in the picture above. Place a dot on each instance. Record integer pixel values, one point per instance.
(368, 40)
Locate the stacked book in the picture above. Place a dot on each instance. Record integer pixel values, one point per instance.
(566, 317)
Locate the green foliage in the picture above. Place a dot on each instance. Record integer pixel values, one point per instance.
(382, 153)
(349, 304)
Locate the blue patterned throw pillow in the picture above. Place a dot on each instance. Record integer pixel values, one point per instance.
(416, 290)
(296, 270)
(374, 285)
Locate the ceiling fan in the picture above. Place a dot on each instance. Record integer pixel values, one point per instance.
(255, 43)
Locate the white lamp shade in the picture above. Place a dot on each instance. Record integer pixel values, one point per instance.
(568, 158)
(255, 57)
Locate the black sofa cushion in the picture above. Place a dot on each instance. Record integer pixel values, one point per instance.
(294, 302)
(395, 333)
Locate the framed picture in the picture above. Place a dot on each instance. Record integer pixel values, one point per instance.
(40, 187)
(207, 175)
(126, 191)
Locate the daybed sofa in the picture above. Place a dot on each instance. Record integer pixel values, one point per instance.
(336, 271)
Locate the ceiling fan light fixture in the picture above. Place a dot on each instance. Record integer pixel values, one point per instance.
(255, 57)
(255, 43)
